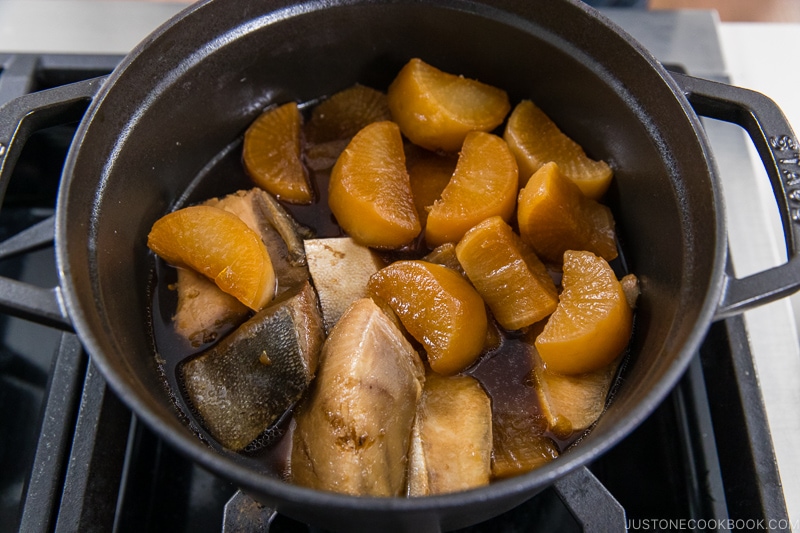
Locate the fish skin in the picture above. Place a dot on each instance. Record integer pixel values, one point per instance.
(291, 231)
(244, 384)
(354, 428)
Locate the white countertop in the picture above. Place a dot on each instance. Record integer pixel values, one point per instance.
(757, 56)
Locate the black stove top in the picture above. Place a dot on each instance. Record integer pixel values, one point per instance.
(74, 458)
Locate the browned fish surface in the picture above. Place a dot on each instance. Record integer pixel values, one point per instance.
(353, 431)
(205, 312)
(572, 403)
(242, 385)
(519, 444)
(451, 446)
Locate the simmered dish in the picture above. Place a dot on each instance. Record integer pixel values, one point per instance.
(454, 319)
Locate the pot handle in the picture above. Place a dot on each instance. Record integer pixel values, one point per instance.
(779, 150)
(19, 119)
(590, 503)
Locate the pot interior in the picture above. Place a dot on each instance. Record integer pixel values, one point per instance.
(187, 94)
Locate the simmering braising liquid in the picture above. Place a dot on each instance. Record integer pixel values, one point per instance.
(504, 372)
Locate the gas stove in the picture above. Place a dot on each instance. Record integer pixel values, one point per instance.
(74, 458)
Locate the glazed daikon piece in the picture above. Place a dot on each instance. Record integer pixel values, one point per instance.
(445, 255)
(205, 312)
(345, 113)
(451, 444)
(220, 246)
(340, 269)
(241, 386)
(438, 307)
(282, 235)
(353, 430)
(272, 154)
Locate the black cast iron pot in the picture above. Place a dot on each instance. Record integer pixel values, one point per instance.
(180, 99)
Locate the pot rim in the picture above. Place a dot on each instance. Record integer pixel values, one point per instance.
(248, 479)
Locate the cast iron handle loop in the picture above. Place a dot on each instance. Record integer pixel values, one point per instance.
(779, 150)
(19, 119)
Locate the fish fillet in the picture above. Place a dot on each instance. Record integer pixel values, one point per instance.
(244, 384)
(205, 312)
(340, 269)
(573, 403)
(451, 447)
(353, 430)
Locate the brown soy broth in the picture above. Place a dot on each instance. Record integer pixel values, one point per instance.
(505, 371)
(172, 350)
(505, 374)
